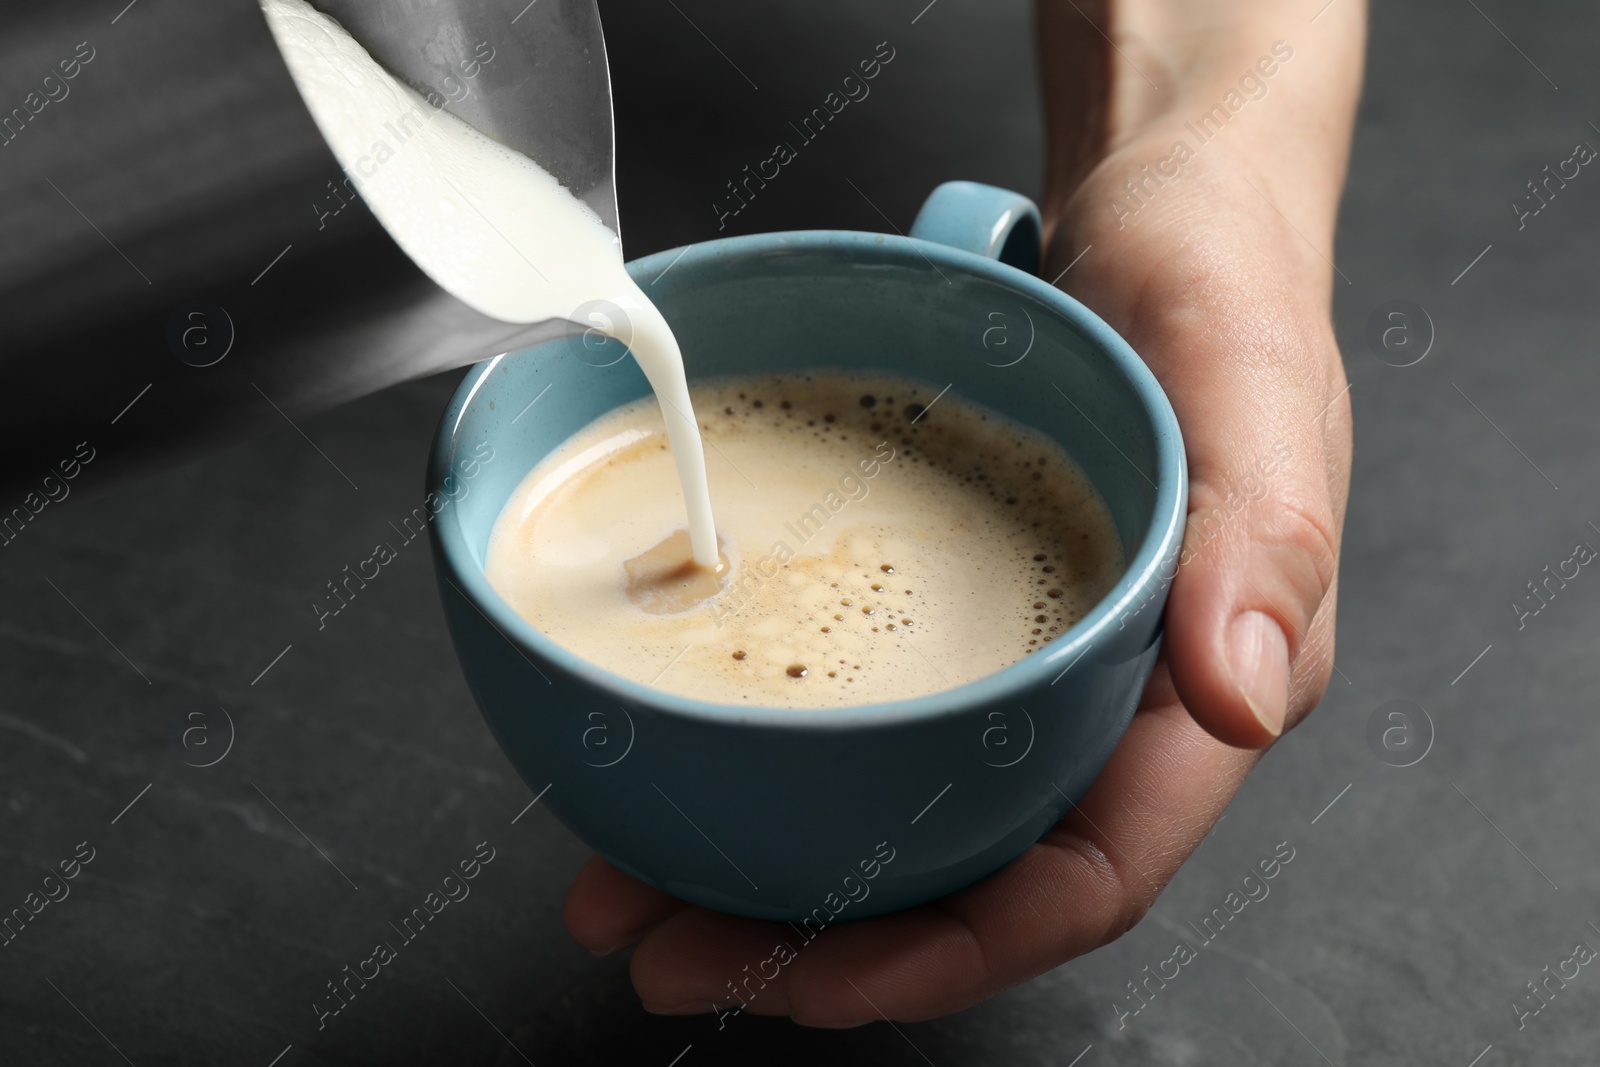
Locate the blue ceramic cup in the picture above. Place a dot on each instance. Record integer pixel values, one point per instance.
(823, 815)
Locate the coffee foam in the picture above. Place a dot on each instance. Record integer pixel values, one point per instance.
(884, 541)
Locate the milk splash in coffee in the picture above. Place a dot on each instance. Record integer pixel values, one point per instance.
(483, 221)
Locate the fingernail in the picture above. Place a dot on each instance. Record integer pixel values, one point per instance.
(613, 947)
(835, 1024)
(1260, 655)
(699, 1007)
(679, 1010)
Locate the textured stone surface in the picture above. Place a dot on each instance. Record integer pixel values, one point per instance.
(208, 921)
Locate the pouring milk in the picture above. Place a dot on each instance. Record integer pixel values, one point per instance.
(483, 221)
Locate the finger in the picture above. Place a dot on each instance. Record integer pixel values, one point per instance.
(1261, 548)
(606, 909)
(700, 959)
(1086, 883)
(1247, 357)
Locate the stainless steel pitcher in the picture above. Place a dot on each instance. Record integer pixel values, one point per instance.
(182, 260)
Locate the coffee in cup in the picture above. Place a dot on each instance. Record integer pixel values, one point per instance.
(881, 539)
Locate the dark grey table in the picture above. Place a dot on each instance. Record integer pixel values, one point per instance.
(219, 901)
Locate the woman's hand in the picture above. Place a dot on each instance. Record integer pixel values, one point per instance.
(1215, 268)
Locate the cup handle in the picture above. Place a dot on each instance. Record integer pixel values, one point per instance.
(984, 219)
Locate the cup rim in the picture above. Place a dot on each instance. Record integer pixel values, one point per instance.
(1160, 542)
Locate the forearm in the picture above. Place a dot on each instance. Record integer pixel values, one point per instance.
(1258, 76)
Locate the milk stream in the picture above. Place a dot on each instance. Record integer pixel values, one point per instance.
(485, 222)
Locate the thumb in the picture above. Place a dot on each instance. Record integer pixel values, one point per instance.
(1249, 620)
(1223, 299)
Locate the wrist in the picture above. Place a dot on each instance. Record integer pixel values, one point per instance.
(1173, 56)
(1273, 89)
